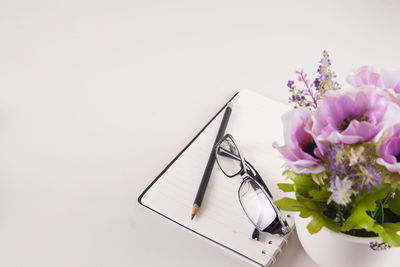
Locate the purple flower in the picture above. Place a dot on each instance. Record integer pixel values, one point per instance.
(362, 174)
(369, 176)
(367, 75)
(301, 151)
(354, 116)
(389, 150)
(290, 84)
(341, 190)
(336, 163)
(325, 81)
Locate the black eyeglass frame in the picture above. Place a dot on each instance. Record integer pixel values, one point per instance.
(247, 171)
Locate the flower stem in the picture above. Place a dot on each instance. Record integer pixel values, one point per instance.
(339, 214)
(308, 90)
(379, 212)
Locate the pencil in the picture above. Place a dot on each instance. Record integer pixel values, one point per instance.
(211, 160)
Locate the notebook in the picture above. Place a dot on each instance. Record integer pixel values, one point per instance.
(255, 123)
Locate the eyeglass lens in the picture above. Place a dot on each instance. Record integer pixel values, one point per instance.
(228, 157)
(256, 204)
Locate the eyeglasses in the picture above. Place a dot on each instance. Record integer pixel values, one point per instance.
(254, 196)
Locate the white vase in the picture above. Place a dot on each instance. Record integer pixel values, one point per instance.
(330, 249)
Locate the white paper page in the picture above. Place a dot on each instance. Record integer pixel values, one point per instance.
(255, 123)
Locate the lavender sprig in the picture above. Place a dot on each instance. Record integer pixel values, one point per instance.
(325, 81)
(309, 96)
(297, 96)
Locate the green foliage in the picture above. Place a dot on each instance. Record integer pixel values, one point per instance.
(374, 212)
(308, 208)
(321, 194)
(310, 201)
(394, 203)
(366, 201)
(388, 233)
(286, 187)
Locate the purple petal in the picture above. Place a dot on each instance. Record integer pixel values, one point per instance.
(293, 120)
(391, 167)
(391, 79)
(365, 130)
(300, 149)
(366, 75)
(389, 149)
(305, 166)
(285, 151)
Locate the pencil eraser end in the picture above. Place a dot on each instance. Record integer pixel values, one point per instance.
(230, 105)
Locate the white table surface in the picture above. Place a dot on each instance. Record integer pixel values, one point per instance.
(96, 97)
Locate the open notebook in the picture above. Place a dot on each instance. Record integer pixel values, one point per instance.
(255, 123)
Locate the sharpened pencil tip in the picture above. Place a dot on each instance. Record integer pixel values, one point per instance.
(230, 105)
(195, 209)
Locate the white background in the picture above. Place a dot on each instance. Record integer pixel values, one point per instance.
(96, 97)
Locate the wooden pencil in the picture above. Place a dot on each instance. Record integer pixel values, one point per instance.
(211, 160)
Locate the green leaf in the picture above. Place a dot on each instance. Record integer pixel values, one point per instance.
(388, 233)
(289, 204)
(290, 174)
(286, 187)
(315, 225)
(394, 203)
(364, 202)
(319, 221)
(321, 195)
(303, 184)
(308, 208)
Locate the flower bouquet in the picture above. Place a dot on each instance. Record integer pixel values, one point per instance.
(342, 153)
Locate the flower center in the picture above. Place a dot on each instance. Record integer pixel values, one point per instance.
(398, 157)
(346, 122)
(308, 147)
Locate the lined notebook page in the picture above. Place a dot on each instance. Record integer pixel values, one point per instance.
(255, 123)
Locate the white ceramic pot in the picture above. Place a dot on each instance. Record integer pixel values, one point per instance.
(330, 249)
